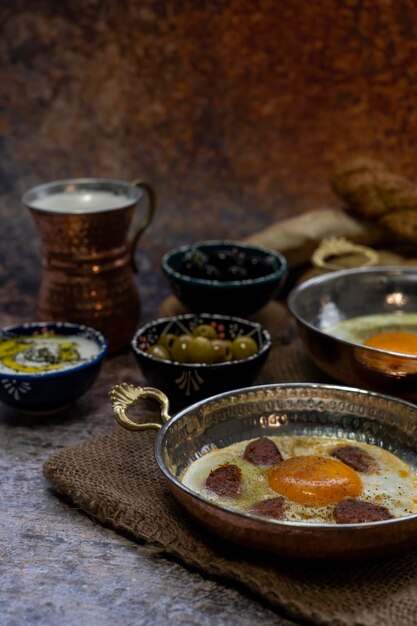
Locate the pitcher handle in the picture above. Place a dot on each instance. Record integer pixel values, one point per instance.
(151, 198)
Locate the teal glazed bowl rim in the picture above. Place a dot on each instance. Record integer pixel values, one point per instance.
(170, 259)
(80, 330)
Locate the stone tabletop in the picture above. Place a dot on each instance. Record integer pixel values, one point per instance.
(59, 566)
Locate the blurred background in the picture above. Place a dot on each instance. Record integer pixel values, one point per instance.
(236, 112)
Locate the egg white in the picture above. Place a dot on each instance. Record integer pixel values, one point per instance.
(358, 329)
(391, 484)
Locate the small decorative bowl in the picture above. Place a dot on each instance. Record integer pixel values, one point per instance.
(46, 366)
(186, 383)
(237, 296)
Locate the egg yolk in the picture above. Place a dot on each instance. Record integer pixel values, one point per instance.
(401, 342)
(314, 479)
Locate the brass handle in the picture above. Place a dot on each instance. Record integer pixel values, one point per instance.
(126, 396)
(151, 197)
(340, 246)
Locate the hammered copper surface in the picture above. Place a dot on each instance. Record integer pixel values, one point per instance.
(88, 268)
(286, 409)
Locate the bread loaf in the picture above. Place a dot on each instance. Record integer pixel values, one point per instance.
(370, 191)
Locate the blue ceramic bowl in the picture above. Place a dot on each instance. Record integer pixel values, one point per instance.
(30, 378)
(186, 383)
(241, 297)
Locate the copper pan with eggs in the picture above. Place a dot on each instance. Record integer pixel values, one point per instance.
(300, 470)
(360, 327)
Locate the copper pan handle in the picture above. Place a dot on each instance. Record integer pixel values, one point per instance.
(150, 210)
(126, 396)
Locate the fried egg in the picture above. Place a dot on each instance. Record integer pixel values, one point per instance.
(309, 479)
(394, 341)
(393, 332)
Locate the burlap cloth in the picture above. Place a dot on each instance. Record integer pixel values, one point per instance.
(115, 479)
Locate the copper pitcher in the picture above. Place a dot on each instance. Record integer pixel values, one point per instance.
(87, 252)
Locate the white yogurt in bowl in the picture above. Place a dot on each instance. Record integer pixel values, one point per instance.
(45, 353)
(46, 366)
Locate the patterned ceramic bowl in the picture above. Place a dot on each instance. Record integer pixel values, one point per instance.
(185, 383)
(46, 366)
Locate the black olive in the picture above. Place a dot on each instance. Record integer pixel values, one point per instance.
(193, 263)
(189, 269)
(196, 256)
(210, 272)
(258, 266)
(236, 272)
(222, 259)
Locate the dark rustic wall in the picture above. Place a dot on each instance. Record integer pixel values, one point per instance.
(236, 111)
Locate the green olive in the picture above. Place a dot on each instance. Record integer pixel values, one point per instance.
(222, 350)
(159, 352)
(205, 330)
(200, 350)
(243, 347)
(167, 340)
(179, 349)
